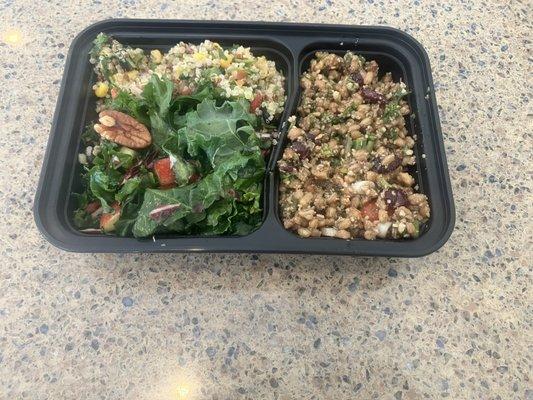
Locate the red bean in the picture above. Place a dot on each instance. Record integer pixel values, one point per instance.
(371, 96)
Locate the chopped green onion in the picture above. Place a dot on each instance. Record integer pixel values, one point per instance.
(416, 223)
(347, 144)
(382, 182)
(359, 143)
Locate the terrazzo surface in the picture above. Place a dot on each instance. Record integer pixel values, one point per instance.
(454, 324)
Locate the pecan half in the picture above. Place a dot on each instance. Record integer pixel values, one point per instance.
(123, 129)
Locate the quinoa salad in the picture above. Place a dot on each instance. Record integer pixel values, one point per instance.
(344, 171)
(235, 72)
(180, 142)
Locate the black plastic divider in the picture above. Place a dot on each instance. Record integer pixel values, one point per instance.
(291, 46)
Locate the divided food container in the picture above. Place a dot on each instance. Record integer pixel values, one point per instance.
(291, 46)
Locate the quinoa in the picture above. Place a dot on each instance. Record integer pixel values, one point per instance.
(235, 72)
(344, 169)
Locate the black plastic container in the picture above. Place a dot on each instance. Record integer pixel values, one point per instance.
(291, 46)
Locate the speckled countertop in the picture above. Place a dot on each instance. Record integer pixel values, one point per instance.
(455, 324)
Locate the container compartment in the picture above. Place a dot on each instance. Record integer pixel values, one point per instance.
(387, 63)
(391, 60)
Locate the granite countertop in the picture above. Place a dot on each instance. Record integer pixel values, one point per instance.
(455, 324)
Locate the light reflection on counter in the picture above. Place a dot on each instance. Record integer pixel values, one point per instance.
(181, 384)
(12, 37)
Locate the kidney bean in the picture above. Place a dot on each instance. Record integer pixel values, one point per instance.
(358, 78)
(301, 149)
(395, 198)
(385, 169)
(372, 96)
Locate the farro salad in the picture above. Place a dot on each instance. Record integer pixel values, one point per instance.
(180, 140)
(344, 170)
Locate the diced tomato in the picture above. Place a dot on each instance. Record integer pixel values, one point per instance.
(92, 207)
(256, 102)
(164, 172)
(114, 93)
(370, 210)
(108, 220)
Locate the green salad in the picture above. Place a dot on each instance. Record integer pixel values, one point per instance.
(180, 141)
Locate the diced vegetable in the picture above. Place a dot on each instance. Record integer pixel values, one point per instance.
(165, 174)
(128, 151)
(370, 210)
(92, 207)
(359, 143)
(108, 220)
(416, 223)
(101, 89)
(256, 102)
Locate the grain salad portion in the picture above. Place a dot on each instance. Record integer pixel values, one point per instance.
(180, 142)
(234, 72)
(344, 169)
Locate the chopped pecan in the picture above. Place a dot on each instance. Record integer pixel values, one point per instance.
(123, 129)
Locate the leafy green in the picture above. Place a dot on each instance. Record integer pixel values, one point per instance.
(106, 176)
(198, 197)
(157, 96)
(392, 109)
(89, 136)
(129, 104)
(128, 215)
(103, 185)
(81, 219)
(215, 153)
(101, 40)
(217, 132)
(182, 104)
(134, 186)
(223, 140)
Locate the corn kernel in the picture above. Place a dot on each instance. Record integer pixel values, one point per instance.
(101, 89)
(199, 56)
(132, 75)
(156, 56)
(226, 62)
(177, 72)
